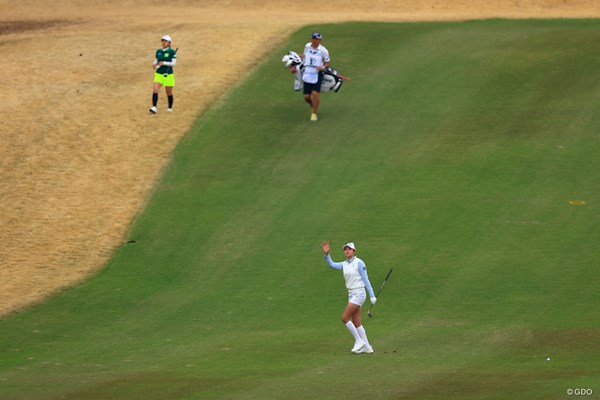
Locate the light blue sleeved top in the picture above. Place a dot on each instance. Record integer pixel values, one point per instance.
(355, 273)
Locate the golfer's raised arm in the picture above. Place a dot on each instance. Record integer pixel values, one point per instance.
(332, 264)
(326, 247)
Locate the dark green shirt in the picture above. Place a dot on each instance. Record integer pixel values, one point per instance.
(165, 55)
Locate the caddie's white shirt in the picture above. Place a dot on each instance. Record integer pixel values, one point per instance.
(313, 58)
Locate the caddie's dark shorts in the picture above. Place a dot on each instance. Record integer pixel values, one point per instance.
(316, 87)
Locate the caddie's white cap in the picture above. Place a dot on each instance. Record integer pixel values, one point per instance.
(167, 38)
(351, 245)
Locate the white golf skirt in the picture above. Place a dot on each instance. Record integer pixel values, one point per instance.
(357, 296)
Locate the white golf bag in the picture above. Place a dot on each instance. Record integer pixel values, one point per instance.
(332, 82)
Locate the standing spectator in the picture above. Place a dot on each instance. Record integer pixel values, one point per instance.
(165, 60)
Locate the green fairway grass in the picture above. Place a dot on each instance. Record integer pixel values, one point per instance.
(454, 156)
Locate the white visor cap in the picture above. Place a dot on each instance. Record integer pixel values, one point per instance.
(351, 245)
(167, 38)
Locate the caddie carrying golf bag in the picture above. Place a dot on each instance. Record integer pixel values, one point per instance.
(332, 80)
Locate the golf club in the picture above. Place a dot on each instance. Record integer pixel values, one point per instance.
(378, 292)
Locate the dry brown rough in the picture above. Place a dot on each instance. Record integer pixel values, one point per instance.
(79, 154)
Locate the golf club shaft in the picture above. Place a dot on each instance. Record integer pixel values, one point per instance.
(384, 281)
(381, 288)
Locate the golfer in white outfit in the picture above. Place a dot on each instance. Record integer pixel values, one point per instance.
(355, 274)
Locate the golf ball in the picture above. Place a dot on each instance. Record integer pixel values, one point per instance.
(547, 358)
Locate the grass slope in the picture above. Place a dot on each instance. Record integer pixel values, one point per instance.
(452, 156)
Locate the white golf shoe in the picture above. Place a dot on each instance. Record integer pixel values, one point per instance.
(358, 347)
(153, 110)
(368, 349)
(169, 110)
